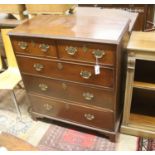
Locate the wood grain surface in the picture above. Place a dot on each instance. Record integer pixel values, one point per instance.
(86, 28)
(142, 41)
(69, 91)
(12, 143)
(60, 87)
(67, 71)
(73, 112)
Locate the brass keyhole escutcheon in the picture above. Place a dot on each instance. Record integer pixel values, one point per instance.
(64, 86)
(48, 107)
(85, 49)
(60, 66)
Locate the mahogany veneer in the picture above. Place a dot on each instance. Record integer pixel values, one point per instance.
(56, 56)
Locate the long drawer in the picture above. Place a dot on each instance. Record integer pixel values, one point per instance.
(100, 118)
(68, 71)
(34, 47)
(69, 91)
(87, 52)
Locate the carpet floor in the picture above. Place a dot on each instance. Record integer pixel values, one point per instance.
(67, 139)
(145, 144)
(56, 136)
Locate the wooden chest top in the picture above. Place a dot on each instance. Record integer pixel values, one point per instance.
(74, 27)
(142, 41)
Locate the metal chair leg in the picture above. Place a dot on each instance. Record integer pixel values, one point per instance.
(16, 104)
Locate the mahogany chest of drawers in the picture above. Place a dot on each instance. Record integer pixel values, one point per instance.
(71, 67)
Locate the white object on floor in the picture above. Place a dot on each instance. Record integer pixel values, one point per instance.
(126, 143)
(2, 148)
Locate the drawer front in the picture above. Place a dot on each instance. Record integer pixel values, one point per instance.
(102, 119)
(87, 52)
(69, 91)
(68, 71)
(35, 47)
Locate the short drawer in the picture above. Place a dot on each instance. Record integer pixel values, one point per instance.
(34, 47)
(87, 52)
(69, 91)
(99, 118)
(68, 71)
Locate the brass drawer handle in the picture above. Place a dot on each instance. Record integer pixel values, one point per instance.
(23, 45)
(71, 50)
(88, 96)
(98, 53)
(48, 107)
(85, 74)
(89, 116)
(44, 47)
(43, 86)
(38, 67)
